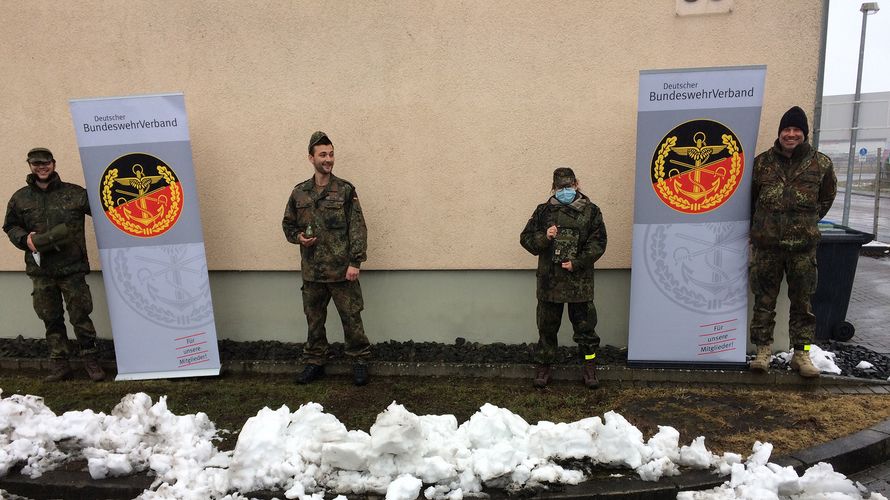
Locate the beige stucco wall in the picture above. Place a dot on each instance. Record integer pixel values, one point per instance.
(448, 116)
(423, 306)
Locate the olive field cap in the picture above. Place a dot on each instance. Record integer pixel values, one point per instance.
(562, 177)
(317, 137)
(40, 154)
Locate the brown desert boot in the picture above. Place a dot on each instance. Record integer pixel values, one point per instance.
(801, 362)
(760, 363)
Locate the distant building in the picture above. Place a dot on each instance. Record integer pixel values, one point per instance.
(837, 118)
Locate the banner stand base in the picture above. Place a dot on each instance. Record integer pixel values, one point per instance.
(688, 365)
(211, 372)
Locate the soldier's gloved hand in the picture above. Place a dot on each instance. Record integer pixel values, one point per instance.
(307, 242)
(551, 232)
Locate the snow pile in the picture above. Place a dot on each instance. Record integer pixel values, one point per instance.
(759, 479)
(136, 436)
(310, 449)
(27, 435)
(308, 453)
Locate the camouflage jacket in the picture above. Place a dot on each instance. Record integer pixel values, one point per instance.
(32, 209)
(789, 196)
(582, 222)
(338, 223)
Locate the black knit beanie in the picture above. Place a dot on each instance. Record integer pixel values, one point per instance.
(795, 117)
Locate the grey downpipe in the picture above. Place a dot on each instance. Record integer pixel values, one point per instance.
(820, 79)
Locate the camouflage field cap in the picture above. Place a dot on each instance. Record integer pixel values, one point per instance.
(562, 177)
(40, 154)
(317, 136)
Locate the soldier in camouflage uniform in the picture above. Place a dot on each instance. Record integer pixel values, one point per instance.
(568, 235)
(793, 187)
(45, 219)
(324, 217)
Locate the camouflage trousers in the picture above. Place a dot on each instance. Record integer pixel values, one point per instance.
(767, 268)
(549, 317)
(348, 300)
(48, 295)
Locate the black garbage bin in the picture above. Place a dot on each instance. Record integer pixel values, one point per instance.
(837, 256)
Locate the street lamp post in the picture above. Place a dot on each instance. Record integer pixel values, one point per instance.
(866, 9)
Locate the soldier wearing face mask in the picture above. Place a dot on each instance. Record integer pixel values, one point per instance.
(568, 235)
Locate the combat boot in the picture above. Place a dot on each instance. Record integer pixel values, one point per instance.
(801, 362)
(760, 363)
(59, 369)
(360, 374)
(588, 374)
(310, 374)
(96, 373)
(543, 375)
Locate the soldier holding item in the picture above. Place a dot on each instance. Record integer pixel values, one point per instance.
(324, 217)
(45, 219)
(568, 235)
(792, 189)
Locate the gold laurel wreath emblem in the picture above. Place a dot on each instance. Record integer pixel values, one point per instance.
(158, 226)
(717, 198)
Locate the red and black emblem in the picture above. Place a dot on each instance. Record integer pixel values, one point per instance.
(141, 195)
(697, 166)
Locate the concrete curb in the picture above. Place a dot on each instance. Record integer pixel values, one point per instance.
(606, 373)
(875, 249)
(71, 484)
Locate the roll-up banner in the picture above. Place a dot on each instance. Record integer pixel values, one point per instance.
(137, 163)
(696, 133)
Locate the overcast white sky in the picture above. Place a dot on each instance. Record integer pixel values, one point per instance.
(842, 51)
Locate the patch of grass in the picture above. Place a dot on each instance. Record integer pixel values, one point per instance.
(730, 418)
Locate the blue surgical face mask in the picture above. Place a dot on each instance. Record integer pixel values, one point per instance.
(565, 195)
